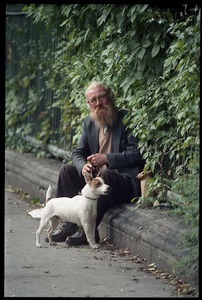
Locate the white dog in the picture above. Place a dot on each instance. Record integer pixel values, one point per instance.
(81, 210)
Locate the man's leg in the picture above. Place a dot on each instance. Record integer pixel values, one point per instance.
(69, 182)
(120, 192)
(69, 185)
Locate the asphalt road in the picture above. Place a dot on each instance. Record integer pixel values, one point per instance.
(58, 271)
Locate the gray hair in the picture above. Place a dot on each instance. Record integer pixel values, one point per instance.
(94, 84)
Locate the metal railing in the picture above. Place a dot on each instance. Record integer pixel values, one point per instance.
(24, 42)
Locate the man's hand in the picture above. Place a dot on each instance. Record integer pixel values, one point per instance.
(97, 160)
(88, 168)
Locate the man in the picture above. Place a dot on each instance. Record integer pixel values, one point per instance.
(107, 147)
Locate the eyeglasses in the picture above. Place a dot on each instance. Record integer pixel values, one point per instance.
(102, 98)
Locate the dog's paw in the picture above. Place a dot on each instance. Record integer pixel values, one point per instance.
(95, 246)
(39, 246)
(53, 244)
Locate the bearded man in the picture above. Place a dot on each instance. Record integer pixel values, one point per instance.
(106, 147)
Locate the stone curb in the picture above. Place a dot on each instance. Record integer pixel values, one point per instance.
(152, 234)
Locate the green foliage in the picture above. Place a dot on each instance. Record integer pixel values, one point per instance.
(188, 187)
(112, 35)
(149, 57)
(166, 114)
(16, 113)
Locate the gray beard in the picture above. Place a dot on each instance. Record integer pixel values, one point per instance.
(104, 116)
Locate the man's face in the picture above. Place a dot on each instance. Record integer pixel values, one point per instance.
(98, 97)
(103, 110)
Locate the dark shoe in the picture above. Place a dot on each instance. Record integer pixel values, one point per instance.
(61, 234)
(79, 238)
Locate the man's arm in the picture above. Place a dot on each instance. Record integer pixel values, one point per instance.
(82, 151)
(129, 155)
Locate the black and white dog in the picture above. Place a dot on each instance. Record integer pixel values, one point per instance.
(81, 210)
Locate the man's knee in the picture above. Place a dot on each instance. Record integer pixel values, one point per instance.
(67, 169)
(107, 175)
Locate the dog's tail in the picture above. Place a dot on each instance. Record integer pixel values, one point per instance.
(48, 193)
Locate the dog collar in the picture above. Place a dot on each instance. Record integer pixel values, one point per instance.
(90, 198)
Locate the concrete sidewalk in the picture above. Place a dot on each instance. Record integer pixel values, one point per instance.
(69, 271)
(150, 233)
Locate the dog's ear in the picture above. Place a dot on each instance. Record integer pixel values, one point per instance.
(88, 177)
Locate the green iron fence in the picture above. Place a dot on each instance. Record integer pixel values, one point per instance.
(24, 43)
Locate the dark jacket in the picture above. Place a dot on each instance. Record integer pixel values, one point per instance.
(125, 156)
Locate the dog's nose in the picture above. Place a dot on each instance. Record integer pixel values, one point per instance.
(108, 189)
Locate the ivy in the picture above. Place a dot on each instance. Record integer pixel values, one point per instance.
(147, 55)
